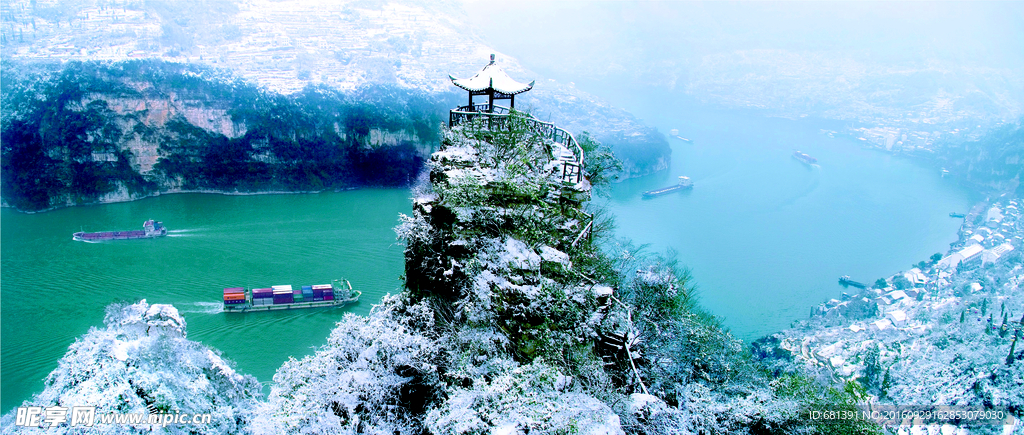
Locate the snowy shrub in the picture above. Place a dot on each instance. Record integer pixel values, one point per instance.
(535, 399)
(375, 375)
(141, 362)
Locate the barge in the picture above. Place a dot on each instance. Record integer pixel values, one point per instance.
(684, 183)
(847, 281)
(150, 229)
(284, 297)
(804, 158)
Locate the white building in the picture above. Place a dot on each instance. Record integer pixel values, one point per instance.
(898, 318)
(967, 255)
(994, 217)
(996, 254)
(881, 325)
(897, 295)
(916, 277)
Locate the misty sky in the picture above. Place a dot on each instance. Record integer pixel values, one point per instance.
(883, 58)
(548, 33)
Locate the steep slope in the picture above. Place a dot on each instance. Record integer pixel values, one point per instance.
(513, 320)
(96, 132)
(286, 46)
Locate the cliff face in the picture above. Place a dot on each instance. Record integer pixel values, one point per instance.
(345, 45)
(991, 163)
(513, 320)
(89, 132)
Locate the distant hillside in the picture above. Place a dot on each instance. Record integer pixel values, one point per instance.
(288, 46)
(995, 161)
(96, 132)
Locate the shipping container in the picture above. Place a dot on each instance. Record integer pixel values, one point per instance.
(284, 297)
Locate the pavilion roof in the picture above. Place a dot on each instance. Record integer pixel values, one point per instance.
(492, 76)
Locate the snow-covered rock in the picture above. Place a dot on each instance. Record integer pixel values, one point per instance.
(142, 363)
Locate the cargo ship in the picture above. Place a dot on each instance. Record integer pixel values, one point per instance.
(804, 158)
(150, 229)
(684, 183)
(284, 297)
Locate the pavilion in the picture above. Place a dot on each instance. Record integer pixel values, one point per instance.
(493, 82)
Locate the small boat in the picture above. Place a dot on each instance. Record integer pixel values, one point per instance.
(684, 183)
(150, 229)
(957, 215)
(804, 158)
(284, 297)
(675, 133)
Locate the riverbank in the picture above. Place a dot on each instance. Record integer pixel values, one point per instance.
(129, 198)
(764, 235)
(940, 334)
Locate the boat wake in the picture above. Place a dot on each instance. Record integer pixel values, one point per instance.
(202, 307)
(188, 232)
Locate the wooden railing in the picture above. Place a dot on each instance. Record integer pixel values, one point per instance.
(572, 171)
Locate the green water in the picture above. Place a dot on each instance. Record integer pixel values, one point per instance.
(766, 238)
(54, 289)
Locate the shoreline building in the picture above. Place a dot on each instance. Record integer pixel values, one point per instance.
(968, 255)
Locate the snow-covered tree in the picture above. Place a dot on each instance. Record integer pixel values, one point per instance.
(376, 374)
(142, 362)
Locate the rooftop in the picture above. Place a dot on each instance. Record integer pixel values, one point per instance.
(493, 77)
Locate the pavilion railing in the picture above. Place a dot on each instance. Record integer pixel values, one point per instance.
(572, 172)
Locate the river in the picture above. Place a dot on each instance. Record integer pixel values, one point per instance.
(54, 289)
(765, 236)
